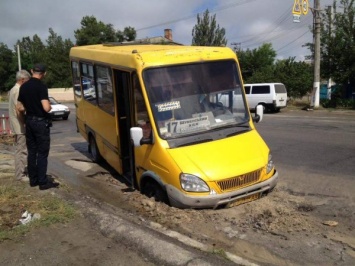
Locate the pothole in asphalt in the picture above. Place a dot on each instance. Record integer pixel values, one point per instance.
(80, 164)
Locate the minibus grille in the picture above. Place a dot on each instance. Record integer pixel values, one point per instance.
(239, 181)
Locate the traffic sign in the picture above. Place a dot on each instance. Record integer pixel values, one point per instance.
(305, 7)
(296, 8)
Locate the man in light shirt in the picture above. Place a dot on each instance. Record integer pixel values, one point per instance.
(17, 124)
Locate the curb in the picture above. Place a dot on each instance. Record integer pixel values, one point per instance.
(164, 246)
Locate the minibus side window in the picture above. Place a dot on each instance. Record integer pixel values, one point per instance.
(141, 117)
(88, 82)
(76, 79)
(104, 89)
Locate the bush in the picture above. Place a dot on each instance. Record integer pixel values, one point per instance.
(338, 103)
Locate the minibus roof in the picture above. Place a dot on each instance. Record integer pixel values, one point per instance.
(149, 54)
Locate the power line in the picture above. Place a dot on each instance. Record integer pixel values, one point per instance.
(292, 41)
(241, 2)
(269, 37)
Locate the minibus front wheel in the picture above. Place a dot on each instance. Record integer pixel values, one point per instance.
(93, 150)
(153, 190)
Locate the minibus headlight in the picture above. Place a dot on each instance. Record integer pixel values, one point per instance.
(193, 183)
(270, 164)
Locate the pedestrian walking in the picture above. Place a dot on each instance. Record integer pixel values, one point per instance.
(33, 99)
(17, 125)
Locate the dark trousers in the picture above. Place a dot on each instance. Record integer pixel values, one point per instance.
(38, 144)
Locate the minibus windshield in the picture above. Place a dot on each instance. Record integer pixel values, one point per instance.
(193, 98)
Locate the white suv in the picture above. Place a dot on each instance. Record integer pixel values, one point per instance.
(273, 96)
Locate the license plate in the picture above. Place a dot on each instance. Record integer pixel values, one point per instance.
(59, 113)
(245, 200)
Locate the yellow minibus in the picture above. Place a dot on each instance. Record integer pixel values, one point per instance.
(152, 112)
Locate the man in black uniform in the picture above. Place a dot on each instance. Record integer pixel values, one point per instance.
(33, 100)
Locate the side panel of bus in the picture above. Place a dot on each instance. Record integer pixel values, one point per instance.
(96, 115)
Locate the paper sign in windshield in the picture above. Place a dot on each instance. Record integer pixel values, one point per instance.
(162, 107)
(186, 125)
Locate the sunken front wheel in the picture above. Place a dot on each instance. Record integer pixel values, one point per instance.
(94, 151)
(153, 190)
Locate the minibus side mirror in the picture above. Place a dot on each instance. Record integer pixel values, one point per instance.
(259, 113)
(136, 135)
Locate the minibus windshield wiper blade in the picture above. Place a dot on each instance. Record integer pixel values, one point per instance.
(242, 125)
(196, 142)
(238, 132)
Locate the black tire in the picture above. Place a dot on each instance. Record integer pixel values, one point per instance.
(94, 151)
(153, 190)
(65, 118)
(266, 109)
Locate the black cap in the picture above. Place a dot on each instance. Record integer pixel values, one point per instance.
(39, 68)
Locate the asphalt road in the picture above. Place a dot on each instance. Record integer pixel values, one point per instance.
(313, 151)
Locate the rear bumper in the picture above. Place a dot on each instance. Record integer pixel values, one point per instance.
(182, 200)
(59, 114)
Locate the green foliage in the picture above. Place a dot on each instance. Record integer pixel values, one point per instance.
(128, 34)
(296, 76)
(57, 61)
(55, 55)
(207, 32)
(32, 51)
(257, 62)
(6, 56)
(55, 52)
(259, 66)
(96, 32)
(338, 102)
(337, 43)
(337, 99)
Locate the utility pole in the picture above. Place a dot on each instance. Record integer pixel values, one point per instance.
(19, 57)
(331, 18)
(316, 32)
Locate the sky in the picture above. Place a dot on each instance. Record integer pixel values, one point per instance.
(248, 23)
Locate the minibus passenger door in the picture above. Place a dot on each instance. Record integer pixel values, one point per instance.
(122, 85)
(142, 125)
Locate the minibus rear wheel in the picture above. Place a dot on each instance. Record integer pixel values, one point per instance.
(93, 150)
(153, 189)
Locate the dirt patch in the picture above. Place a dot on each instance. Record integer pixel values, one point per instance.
(279, 229)
(283, 228)
(54, 238)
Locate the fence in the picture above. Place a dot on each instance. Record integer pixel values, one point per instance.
(5, 125)
(6, 135)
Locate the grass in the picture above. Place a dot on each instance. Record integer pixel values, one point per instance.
(16, 197)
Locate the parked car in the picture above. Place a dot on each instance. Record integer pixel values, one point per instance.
(273, 96)
(58, 110)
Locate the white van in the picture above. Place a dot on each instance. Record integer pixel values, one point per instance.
(273, 96)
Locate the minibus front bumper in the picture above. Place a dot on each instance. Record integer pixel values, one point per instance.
(182, 200)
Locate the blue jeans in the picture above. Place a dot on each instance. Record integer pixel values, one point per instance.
(38, 144)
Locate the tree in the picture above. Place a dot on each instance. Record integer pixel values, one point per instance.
(32, 51)
(94, 32)
(128, 34)
(296, 76)
(57, 61)
(207, 32)
(260, 66)
(256, 60)
(338, 43)
(7, 76)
